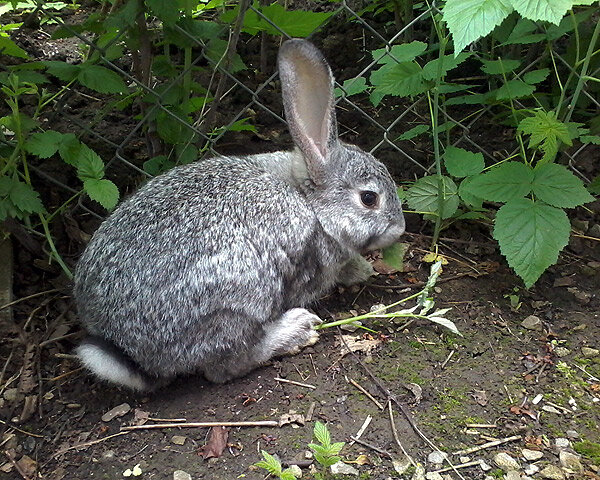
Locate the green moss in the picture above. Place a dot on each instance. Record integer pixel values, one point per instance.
(498, 473)
(589, 450)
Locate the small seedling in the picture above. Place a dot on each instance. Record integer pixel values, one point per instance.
(273, 466)
(326, 453)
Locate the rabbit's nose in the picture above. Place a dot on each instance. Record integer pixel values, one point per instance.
(396, 229)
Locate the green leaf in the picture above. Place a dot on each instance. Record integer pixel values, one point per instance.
(536, 76)
(124, 17)
(414, 132)
(466, 196)
(423, 196)
(501, 66)
(394, 256)
(25, 198)
(509, 181)
(321, 433)
(514, 89)
(101, 79)
(102, 191)
(462, 163)
(531, 235)
(270, 464)
(523, 33)
(90, 165)
(405, 52)
(215, 51)
(549, 10)
(65, 72)
(158, 164)
(399, 79)
(594, 186)
(173, 128)
(69, 149)
(168, 12)
(547, 130)
(594, 139)
(557, 186)
(352, 86)
(449, 62)
(469, 20)
(45, 144)
(8, 47)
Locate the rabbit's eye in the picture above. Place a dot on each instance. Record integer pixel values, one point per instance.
(369, 199)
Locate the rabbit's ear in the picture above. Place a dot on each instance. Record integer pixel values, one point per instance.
(307, 89)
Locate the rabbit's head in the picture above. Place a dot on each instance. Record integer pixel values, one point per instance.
(352, 194)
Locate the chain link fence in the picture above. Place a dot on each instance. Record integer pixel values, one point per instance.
(127, 138)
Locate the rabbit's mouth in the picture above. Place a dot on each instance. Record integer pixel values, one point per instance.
(391, 235)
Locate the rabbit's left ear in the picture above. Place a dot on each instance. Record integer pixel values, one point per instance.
(307, 89)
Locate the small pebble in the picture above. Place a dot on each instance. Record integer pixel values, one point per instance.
(531, 469)
(562, 443)
(532, 323)
(296, 471)
(10, 394)
(506, 462)
(434, 476)
(531, 455)
(512, 475)
(552, 472)
(464, 459)
(341, 468)
(419, 473)
(484, 466)
(572, 434)
(437, 458)
(115, 412)
(178, 439)
(571, 461)
(589, 352)
(181, 475)
(561, 352)
(551, 409)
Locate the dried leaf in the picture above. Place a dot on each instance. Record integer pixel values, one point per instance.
(216, 444)
(291, 417)
(140, 417)
(118, 411)
(27, 380)
(480, 397)
(27, 465)
(356, 344)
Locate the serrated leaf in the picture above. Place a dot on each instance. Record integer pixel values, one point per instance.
(405, 52)
(595, 139)
(398, 79)
(393, 256)
(25, 198)
(215, 51)
(536, 76)
(102, 191)
(448, 62)
(547, 130)
(509, 181)
(168, 12)
(523, 33)
(466, 196)
(469, 20)
(500, 66)
(423, 196)
(557, 186)
(90, 165)
(462, 163)
(414, 132)
(531, 235)
(8, 47)
(101, 79)
(548, 10)
(69, 149)
(594, 186)
(321, 433)
(62, 70)
(44, 144)
(352, 86)
(514, 89)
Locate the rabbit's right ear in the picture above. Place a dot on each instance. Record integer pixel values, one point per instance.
(307, 89)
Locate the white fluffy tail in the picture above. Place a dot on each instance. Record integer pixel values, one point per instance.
(110, 366)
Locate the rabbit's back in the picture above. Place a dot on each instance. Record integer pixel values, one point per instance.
(198, 260)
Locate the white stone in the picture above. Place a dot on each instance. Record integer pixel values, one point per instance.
(434, 476)
(531, 469)
(484, 466)
(571, 461)
(341, 468)
(464, 459)
(419, 473)
(590, 352)
(436, 457)
(531, 455)
(178, 439)
(506, 462)
(512, 475)
(181, 475)
(572, 434)
(552, 472)
(296, 471)
(562, 352)
(532, 323)
(562, 443)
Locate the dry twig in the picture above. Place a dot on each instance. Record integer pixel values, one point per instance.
(477, 448)
(293, 382)
(259, 423)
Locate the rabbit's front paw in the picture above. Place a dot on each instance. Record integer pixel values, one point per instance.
(292, 331)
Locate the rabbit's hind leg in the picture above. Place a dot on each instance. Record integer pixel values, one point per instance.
(286, 336)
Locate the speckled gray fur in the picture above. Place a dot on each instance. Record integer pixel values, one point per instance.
(207, 267)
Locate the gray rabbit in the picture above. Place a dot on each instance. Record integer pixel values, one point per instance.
(208, 267)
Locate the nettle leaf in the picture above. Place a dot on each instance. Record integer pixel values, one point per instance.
(8, 47)
(500, 66)
(321, 433)
(469, 20)
(423, 196)
(25, 198)
(536, 76)
(462, 163)
(352, 86)
(414, 132)
(101, 79)
(557, 186)
(405, 52)
(65, 72)
(399, 79)
(514, 89)
(90, 165)
(595, 139)
(449, 62)
(549, 10)
(44, 144)
(466, 196)
(102, 191)
(545, 130)
(509, 181)
(531, 235)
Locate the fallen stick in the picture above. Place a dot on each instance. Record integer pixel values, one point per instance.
(487, 445)
(369, 396)
(460, 465)
(259, 423)
(362, 429)
(293, 382)
(480, 425)
(87, 444)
